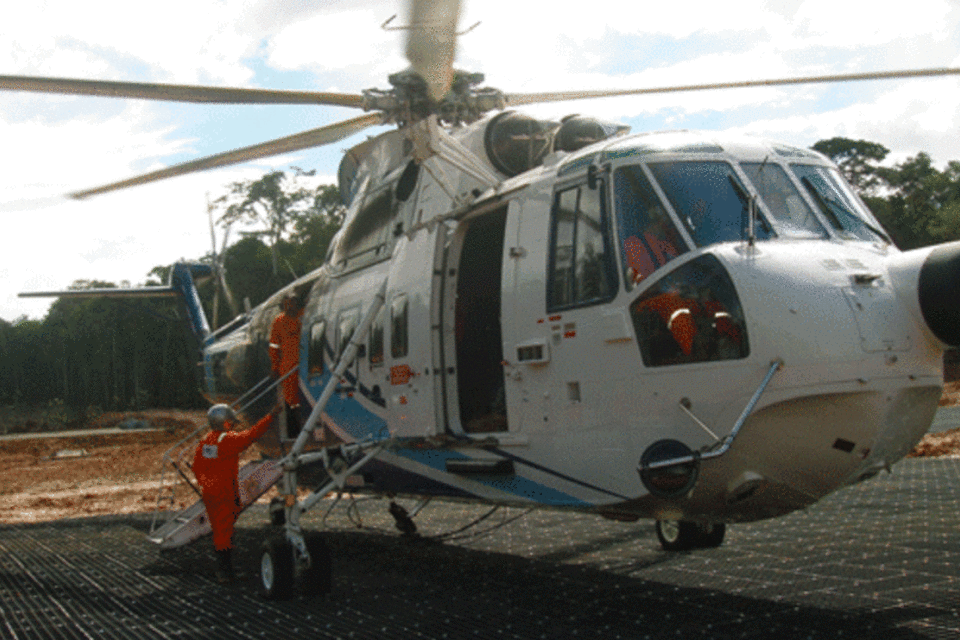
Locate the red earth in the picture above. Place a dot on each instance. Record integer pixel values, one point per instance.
(52, 478)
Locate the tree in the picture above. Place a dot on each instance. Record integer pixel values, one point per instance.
(315, 228)
(131, 353)
(858, 161)
(921, 197)
(273, 201)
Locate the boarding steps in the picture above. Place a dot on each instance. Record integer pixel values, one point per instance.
(174, 528)
(255, 478)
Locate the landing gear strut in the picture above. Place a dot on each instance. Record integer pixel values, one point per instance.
(683, 535)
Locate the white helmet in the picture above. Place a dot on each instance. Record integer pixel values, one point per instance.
(219, 414)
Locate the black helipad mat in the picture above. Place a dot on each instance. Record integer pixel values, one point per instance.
(880, 560)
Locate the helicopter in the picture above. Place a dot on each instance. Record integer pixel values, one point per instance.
(692, 327)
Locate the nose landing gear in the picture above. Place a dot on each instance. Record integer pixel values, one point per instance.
(683, 535)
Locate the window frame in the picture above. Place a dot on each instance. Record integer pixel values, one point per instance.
(609, 260)
(315, 347)
(400, 348)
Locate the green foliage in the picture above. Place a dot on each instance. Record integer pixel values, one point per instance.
(858, 161)
(279, 204)
(916, 203)
(56, 413)
(96, 354)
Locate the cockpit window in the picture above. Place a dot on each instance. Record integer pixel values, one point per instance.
(691, 315)
(793, 217)
(838, 203)
(709, 200)
(581, 263)
(648, 237)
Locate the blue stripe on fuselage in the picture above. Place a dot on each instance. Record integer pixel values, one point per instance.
(513, 484)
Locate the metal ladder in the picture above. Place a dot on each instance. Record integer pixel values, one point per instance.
(181, 527)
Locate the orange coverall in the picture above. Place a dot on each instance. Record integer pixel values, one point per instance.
(216, 464)
(285, 353)
(677, 315)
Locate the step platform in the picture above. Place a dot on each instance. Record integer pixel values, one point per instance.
(192, 523)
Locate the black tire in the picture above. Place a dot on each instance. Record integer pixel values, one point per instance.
(318, 579)
(677, 535)
(682, 535)
(276, 569)
(711, 535)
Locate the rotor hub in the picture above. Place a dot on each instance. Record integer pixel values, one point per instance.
(409, 101)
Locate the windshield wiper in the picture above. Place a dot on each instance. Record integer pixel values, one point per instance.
(831, 207)
(749, 206)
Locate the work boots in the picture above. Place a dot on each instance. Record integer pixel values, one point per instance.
(225, 573)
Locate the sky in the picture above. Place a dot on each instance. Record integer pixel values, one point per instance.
(56, 144)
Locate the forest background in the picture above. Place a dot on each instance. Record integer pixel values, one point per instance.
(87, 356)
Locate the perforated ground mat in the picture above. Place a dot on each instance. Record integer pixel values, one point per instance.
(880, 560)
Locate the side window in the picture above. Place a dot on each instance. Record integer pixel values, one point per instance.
(318, 345)
(345, 328)
(364, 237)
(581, 265)
(376, 341)
(691, 315)
(399, 336)
(648, 237)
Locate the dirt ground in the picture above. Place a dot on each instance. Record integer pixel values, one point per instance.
(67, 477)
(63, 477)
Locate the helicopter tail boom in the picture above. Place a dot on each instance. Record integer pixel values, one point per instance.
(182, 283)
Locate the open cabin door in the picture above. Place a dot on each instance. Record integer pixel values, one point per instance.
(472, 310)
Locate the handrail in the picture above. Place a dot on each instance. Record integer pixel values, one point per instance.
(193, 435)
(775, 366)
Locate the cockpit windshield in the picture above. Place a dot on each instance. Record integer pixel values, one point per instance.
(709, 201)
(838, 203)
(793, 217)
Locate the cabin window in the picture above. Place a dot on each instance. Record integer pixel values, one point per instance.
(691, 315)
(709, 200)
(838, 203)
(375, 343)
(367, 232)
(582, 271)
(793, 217)
(399, 336)
(648, 237)
(345, 328)
(318, 348)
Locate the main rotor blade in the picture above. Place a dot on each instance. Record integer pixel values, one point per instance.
(432, 42)
(175, 92)
(305, 140)
(516, 99)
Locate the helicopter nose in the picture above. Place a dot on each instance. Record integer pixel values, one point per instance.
(938, 289)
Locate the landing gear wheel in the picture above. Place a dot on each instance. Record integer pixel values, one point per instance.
(318, 579)
(711, 535)
(276, 569)
(682, 535)
(676, 535)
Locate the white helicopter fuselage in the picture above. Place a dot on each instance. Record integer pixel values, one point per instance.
(679, 299)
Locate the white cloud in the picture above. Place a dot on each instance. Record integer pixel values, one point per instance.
(914, 116)
(857, 24)
(53, 145)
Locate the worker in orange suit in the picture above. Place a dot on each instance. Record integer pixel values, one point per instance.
(285, 355)
(216, 464)
(677, 314)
